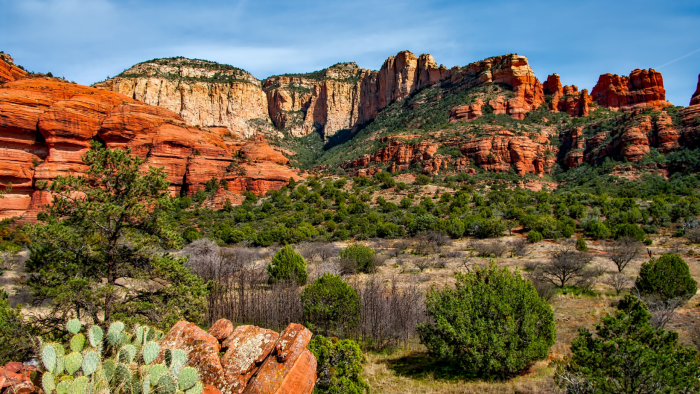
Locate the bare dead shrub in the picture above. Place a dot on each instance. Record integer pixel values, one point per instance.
(518, 246)
(434, 238)
(623, 251)
(328, 251)
(7, 261)
(389, 314)
(324, 267)
(311, 251)
(490, 248)
(662, 311)
(545, 289)
(453, 254)
(379, 259)
(619, 282)
(393, 252)
(402, 244)
(423, 263)
(347, 266)
(567, 266)
(693, 235)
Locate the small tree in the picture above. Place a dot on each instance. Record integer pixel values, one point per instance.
(628, 355)
(287, 265)
(363, 256)
(581, 245)
(623, 251)
(492, 322)
(665, 279)
(331, 306)
(567, 266)
(95, 254)
(339, 366)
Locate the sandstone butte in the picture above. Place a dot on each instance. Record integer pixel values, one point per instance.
(240, 360)
(636, 138)
(46, 125)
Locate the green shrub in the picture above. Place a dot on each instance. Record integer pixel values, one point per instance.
(492, 323)
(339, 366)
(647, 242)
(15, 340)
(597, 230)
(628, 355)
(363, 256)
(628, 230)
(534, 237)
(191, 234)
(331, 306)
(287, 265)
(666, 278)
(422, 180)
(581, 245)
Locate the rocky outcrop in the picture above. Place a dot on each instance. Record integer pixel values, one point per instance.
(16, 378)
(695, 99)
(642, 89)
(203, 93)
(630, 138)
(467, 112)
(566, 98)
(46, 126)
(8, 70)
(255, 360)
(500, 150)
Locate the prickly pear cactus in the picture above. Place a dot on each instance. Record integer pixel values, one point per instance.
(118, 362)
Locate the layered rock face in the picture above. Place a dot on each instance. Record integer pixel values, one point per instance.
(254, 360)
(326, 101)
(695, 100)
(642, 89)
(340, 97)
(691, 121)
(203, 93)
(46, 126)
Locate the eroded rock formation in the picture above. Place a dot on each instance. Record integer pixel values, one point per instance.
(642, 89)
(498, 150)
(16, 378)
(566, 98)
(8, 70)
(46, 126)
(255, 360)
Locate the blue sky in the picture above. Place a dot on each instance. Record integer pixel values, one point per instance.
(88, 40)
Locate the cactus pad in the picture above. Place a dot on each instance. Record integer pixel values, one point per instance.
(48, 357)
(179, 356)
(109, 366)
(63, 386)
(196, 389)
(79, 386)
(91, 361)
(127, 354)
(77, 342)
(95, 335)
(60, 364)
(122, 375)
(150, 352)
(167, 384)
(187, 378)
(73, 326)
(73, 362)
(156, 371)
(48, 382)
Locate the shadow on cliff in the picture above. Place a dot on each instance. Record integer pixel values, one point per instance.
(341, 137)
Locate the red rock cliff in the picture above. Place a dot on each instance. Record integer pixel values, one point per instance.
(46, 125)
(8, 70)
(642, 89)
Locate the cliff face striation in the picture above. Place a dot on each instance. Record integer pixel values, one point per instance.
(8, 70)
(203, 93)
(46, 126)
